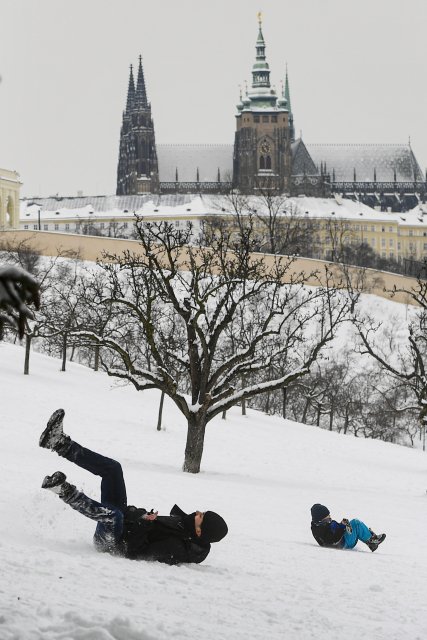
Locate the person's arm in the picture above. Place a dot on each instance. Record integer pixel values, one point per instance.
(18, 289)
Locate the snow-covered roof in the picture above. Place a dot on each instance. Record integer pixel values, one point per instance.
(112, 206)
(188, 206)
(384, 161)
(187, 158)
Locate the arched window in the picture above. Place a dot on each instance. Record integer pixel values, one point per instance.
(268, 162)
(262, 162)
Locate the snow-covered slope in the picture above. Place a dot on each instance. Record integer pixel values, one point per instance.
(267, 579)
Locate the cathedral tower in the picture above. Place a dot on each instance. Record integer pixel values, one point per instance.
(262, 150)
(137, 171)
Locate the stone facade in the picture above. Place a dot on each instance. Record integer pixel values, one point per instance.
(10, 185)
(262, 147)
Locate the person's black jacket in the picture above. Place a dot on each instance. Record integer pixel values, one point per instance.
(328, 533)
(163, 539)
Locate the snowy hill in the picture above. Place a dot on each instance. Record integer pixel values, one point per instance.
(267, 580)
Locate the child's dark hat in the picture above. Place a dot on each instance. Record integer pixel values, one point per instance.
(318, 512)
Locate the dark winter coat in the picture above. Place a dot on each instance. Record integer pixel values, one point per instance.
(328, 533)
(163, 539)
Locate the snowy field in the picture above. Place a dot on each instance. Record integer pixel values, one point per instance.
(267, 580)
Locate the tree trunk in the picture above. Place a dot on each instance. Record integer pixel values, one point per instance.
(224, 415)
(244, 407)
(159, 418)
(27, 355)
(331, 419)
(304, 413)
(64, 351)
(194, 446)
(267, 403)
(346, 421)
(318, 414)
(96, 365)
(284, 401)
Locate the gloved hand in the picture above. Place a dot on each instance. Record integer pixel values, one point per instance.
(347, 524)
(18, 289)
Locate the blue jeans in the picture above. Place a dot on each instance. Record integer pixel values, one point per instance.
(359, 532)
(108, 513)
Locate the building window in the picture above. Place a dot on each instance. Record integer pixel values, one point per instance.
(372, 228)
(383, 229)
(45, 227)
(411, 233)
(383, 242)
(25, 226)
(67, 227)
(56, 227)
(273, 118)
(265, 118)
(125, 225)
(373, 242)
(425, 246)
(391, 254)
(399, 246)
(262, 162)
(102, 225)
(390, 229)
(365, 227)
(390, 242)
(35, 226)
(256, 118)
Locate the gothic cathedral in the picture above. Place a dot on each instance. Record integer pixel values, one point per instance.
(137, 170)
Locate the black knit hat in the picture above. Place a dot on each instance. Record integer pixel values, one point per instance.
(214, 528)
(318, 512)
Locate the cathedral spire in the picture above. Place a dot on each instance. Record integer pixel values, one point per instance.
(260, 70)
(287, 91)
(141, 94)
(287, 95)
(131, 92)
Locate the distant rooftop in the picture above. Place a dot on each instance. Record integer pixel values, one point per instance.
(384, 161)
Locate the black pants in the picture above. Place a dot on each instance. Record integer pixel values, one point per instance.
(108, 513)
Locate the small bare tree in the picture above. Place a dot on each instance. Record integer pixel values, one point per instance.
(405, 360)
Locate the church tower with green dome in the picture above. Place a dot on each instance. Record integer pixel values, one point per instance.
(262, 145)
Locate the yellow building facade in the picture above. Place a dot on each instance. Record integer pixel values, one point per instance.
(10, 185)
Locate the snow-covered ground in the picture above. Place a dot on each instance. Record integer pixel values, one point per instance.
(267, 580)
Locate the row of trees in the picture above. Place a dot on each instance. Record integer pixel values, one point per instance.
(213, 324)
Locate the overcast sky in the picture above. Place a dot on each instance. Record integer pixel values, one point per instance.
(357, 72)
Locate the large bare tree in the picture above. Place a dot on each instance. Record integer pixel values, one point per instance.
(214, 320)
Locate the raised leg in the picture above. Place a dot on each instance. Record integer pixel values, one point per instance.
(110, 520)
(359, 532)
(113, 488)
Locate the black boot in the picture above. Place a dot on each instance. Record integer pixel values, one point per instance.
(53, 437)
(57, 483)
(374, 541)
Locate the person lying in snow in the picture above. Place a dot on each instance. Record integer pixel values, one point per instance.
(344, 534)
(122, 529)
(18, 289)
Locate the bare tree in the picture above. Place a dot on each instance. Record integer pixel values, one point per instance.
(405, 360)
(190, 303)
